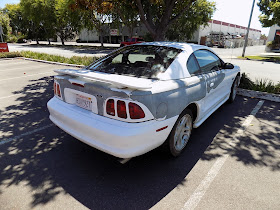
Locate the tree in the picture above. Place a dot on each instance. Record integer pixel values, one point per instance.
(17, 23)
(5, 23)
(159, 15)
(33, 11)
(197, 15)
(68, 22)
(270, 12)
(126, 12)
(96, 13)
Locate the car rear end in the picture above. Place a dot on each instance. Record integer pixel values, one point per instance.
(105, 117)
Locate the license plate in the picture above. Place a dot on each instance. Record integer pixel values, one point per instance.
(84, 102)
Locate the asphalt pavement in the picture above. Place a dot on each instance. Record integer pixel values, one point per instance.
(231, 162)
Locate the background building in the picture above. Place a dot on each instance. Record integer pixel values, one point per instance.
(217, 33)
(274, 36)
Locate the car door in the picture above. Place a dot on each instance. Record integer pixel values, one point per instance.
(211, 69)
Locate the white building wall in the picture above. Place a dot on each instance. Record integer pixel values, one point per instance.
(219, 26)
(272, 32)
(87, 35)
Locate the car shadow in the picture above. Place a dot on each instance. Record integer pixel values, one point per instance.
(51, 162)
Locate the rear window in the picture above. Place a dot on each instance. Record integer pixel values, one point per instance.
(138, 61)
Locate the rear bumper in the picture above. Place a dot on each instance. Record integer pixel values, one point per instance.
(120, 139)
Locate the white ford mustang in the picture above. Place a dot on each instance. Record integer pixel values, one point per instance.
(140, 96)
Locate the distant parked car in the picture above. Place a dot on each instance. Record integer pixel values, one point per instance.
(131, 41)
(140, 96)
(21, 40)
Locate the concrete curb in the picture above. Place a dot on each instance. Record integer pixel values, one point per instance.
(51, 62)
(258, 94)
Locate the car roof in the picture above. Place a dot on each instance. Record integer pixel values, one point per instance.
(178, 45)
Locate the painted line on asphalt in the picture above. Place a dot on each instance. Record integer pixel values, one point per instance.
(26, 76)
(9, 96)
(24, 68)
(25, 134)
(198, 194)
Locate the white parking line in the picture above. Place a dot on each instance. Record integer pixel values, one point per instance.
(195, 198)
(26, 76)
(21, 68)
(25, 134)
(9, 96)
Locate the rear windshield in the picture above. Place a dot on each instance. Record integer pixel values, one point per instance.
(145, 61)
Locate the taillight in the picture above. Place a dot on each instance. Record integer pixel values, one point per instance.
(121, 109)
(110, 107)
(135, 111)
(130, 111)
(56, 88)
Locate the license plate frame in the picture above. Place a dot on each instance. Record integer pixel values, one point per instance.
(83, 102)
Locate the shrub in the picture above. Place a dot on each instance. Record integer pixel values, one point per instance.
(9, 54)
(263, 85)
(271, 44)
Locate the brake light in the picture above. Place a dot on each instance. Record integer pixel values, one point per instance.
(135, 111)
(56, 88)
(110, 107)
(121, 109)
(130, 111)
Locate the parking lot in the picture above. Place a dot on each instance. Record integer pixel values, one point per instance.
(231, 162)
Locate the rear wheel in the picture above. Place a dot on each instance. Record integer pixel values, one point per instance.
(180, 133)
(233, 90)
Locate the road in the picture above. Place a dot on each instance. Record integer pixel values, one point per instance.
(225, 166)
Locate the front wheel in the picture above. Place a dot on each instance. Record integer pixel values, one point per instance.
(180, 133)
(233, 90)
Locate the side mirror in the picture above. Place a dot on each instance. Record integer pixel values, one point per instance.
(228, 66)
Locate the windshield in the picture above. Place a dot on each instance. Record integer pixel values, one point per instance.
(145, 61)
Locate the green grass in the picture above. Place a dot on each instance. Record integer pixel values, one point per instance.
(263, 85)
(55, 58)
(10, 54)
(260, 58)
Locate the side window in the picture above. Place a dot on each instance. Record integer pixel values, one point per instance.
(207, 60)
(192, 65)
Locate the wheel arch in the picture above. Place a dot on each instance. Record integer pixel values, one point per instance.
(194, 109)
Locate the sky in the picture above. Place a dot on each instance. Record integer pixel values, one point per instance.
(231, 11)
(238, 12)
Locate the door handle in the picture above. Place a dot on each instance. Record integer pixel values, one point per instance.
(211, 84)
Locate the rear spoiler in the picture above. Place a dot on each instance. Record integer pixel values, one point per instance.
(115, 79)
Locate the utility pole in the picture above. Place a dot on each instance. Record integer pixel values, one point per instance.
(248, 29)
(1, 31)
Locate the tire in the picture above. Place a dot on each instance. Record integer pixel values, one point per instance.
(180, 133)
(233, 90)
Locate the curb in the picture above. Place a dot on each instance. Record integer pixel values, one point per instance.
(52, 62)
(258, 94)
